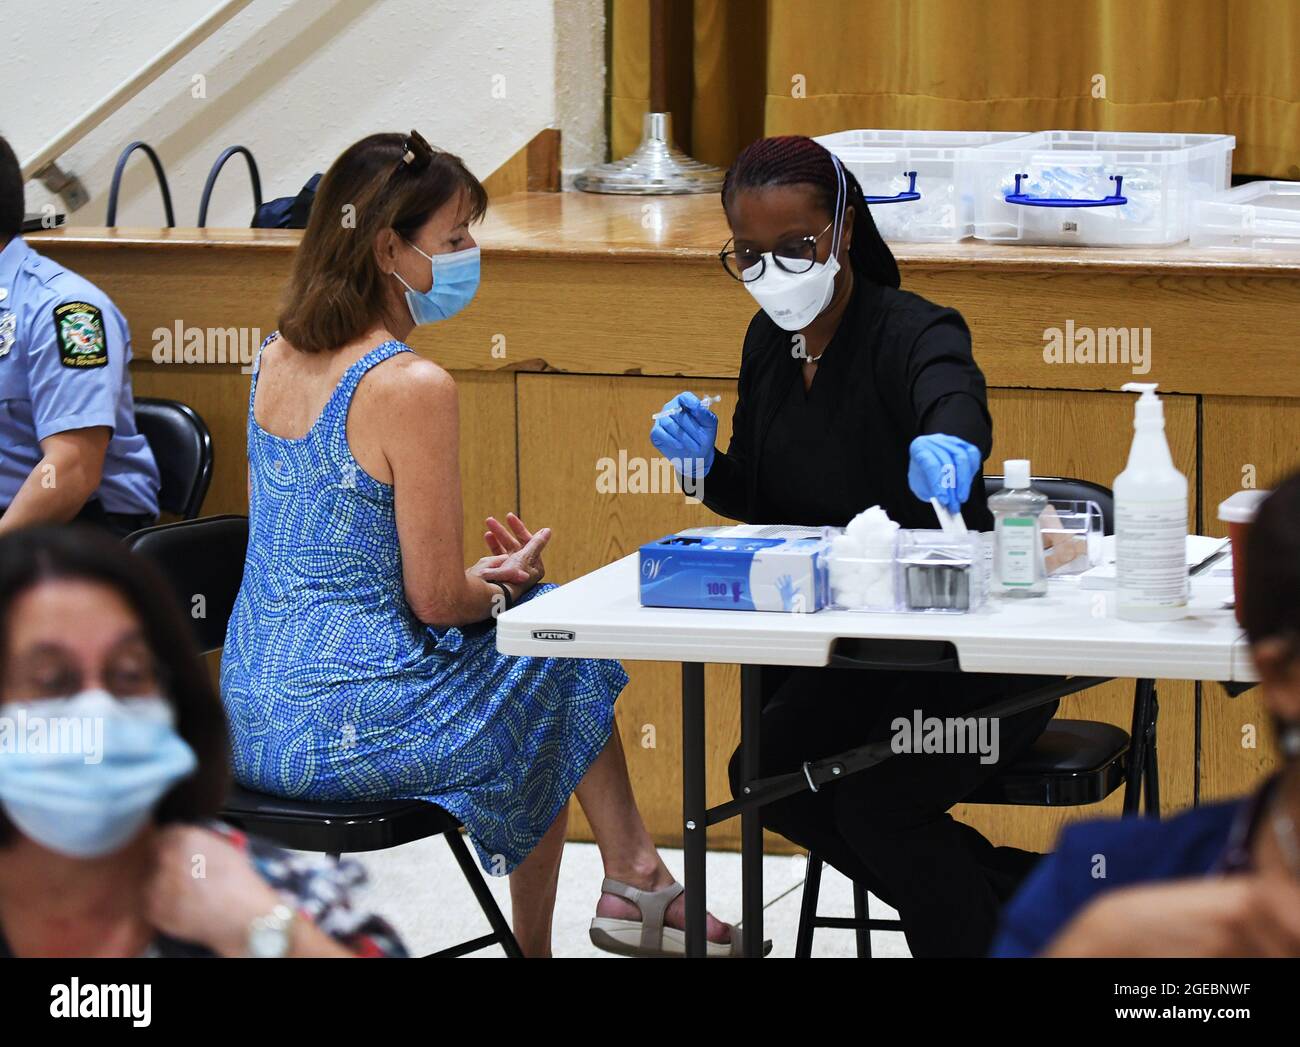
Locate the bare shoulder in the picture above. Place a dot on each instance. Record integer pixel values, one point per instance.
(408, 393)
(410, 377)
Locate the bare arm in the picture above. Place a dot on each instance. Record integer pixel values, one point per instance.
(422, 446)
(65, 478)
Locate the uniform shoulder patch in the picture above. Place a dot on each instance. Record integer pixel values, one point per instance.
(79, 330)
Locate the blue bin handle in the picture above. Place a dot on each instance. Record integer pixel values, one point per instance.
(1113, 200)
(901, 198)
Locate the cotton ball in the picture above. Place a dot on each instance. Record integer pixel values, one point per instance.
(862, 560)
(844, 545)
(872, 526)
(858, 530)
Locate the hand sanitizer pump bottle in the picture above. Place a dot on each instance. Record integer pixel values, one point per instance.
(1150, 520)
(1019, 568)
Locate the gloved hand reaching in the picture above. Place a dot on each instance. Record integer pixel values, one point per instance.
(943, 467)
(687, 437)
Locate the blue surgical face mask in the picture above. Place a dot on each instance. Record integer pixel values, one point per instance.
(455, 279)
(82, 775)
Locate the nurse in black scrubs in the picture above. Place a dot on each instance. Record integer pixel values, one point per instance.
(854, 393)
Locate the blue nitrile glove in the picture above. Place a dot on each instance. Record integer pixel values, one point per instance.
(943, 467)
(687, 437)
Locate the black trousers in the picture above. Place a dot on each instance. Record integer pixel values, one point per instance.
(887, 827)
(117, 524)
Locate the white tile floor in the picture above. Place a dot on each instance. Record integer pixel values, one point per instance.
(419, 889)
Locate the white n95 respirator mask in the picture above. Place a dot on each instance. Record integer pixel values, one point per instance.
(794, 300)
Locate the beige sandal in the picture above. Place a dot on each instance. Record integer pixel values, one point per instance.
(649, 936)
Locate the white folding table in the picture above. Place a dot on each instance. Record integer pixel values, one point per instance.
(1070, 632)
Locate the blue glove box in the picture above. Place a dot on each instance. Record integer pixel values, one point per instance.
(747, 568)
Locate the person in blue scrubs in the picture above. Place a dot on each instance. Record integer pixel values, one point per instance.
(69, 448)
(1218, 880)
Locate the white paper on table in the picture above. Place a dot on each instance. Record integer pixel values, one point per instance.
(1199, 548)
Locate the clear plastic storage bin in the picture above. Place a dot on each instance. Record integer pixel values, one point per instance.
(926, 571)
(1072, 534)
(942, 573)
(915, 181)
(1095, 188)
(1259, 214)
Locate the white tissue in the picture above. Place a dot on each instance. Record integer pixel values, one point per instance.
(862, 562)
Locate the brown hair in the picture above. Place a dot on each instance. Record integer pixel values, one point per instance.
(385, 181)
(40, 554)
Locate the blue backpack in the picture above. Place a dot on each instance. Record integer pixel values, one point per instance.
(288, 212)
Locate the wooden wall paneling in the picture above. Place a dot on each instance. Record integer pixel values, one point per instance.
(567, 424)
(1247, 442)
(489, 476)
(218, 286)
(597, 316)
(555, 278)
(1196, 322)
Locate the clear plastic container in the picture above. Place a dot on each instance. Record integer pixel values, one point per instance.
(940, 573)
(1261, 215)
(1095, 188)
(1072, 536)
(915, 181)
(925, 571)
(863, 583)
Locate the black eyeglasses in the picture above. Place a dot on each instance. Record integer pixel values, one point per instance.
(794, 256)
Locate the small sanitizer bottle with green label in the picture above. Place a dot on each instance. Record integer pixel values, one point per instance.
(1019, 569)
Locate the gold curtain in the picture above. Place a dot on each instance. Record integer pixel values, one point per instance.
(814, 66)
(717, 57)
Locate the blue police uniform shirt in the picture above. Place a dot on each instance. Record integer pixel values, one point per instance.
(64, 349)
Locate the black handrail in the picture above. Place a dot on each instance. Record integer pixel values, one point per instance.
(111, 219)
(216, 170)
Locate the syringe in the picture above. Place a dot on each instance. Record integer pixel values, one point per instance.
(705, 401)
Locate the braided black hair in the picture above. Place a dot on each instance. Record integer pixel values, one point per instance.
(798, 160)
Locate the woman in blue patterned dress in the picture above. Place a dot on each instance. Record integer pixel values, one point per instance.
(360, 659)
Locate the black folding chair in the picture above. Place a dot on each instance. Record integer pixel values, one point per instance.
(204, 561)
(1073, 762)
(182, 447)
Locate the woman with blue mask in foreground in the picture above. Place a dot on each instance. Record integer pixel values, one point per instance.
(113, 753)
(360, 660)
(854, 393)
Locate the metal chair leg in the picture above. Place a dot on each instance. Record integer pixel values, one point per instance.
(1151, 780)
(863, 917)
(501, 932)
(812, 884)
(1137, 752)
